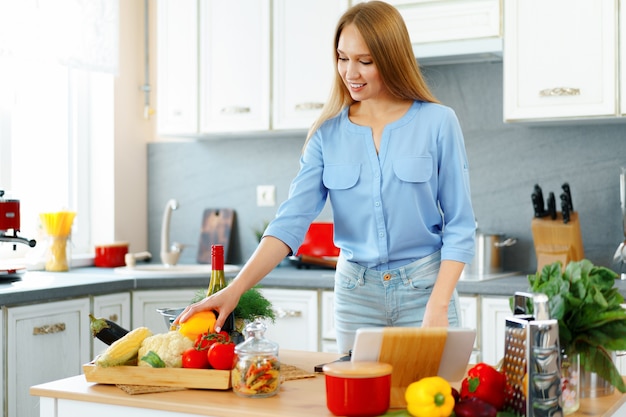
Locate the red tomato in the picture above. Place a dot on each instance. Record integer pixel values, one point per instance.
(205, 340)
(222, 355)
(194, 358)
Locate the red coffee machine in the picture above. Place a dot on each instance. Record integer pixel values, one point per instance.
(10, 222)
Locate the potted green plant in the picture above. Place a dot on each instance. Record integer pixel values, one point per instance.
(588, 307)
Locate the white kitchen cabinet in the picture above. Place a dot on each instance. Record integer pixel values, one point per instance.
(303, 69)
(329, 337)
(234, 65)
(296, 325)
(494, 311)
(560, 59)
(453, 30)
(48, 341)
(251, 70)
(177, 67)
(145, 304)
(2, 350)
(469, 319)
(114, 307)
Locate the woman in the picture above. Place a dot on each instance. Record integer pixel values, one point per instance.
(393, 163)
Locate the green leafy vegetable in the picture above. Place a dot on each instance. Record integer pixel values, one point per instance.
(589, 309)
(153, 360)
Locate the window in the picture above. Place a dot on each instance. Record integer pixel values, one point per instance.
(50, 104)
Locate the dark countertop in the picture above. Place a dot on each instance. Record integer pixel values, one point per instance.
(39, 286)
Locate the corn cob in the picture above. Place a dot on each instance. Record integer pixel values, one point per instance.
(125, 349)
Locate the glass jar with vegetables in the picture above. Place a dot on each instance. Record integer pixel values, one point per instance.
(257, 369)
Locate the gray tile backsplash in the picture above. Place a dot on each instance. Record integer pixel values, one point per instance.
(506, 160)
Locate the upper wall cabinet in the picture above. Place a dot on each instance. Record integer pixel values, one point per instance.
(234, 65)
(243, 65)
(177, 67)
(452, 31)
(303, 65)
(560, 59)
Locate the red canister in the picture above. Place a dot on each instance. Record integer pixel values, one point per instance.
(111, 255)
(358, 388)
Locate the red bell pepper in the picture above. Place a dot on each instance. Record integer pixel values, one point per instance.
(485, 382)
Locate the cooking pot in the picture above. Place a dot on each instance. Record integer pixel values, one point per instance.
(488, 255)
(111, 255)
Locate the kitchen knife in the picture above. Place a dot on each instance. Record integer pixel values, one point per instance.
(537, 199)
(552, 206)
(565, 207)
(568, 193)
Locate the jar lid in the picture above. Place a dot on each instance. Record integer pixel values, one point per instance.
(349, 369)
(255, 342)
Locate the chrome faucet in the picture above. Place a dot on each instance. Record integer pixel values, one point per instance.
(169, 254)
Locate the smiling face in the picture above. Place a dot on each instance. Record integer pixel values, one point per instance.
(356, 66)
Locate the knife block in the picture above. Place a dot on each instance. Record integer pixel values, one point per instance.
(557, 241)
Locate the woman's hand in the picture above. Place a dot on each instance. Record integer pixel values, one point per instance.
(224, 302)
(268, 254)
(435, 317)
(436, 314)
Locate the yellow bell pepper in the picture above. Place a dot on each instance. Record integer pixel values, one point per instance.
(200, 322)
(429, 397)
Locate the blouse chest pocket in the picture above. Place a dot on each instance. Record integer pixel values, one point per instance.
(341, 177)
(414, 168)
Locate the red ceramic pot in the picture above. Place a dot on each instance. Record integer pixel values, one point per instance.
(358, 388)
(111, 255)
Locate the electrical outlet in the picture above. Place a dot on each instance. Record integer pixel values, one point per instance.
(265, 195)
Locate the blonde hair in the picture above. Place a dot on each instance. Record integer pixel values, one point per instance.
(387, 39)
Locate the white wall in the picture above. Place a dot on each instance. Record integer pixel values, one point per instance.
(127, 195)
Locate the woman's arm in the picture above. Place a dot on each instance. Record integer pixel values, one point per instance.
(437, 308)
(270, 252)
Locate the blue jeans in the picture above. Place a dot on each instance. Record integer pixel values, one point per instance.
(369, 298)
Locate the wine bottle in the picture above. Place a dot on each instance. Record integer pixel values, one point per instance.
(218, 280)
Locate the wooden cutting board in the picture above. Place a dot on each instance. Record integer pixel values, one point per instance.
(217, 224)
(399, 346)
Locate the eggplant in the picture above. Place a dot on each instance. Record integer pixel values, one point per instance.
(106, 330)
(474, 407)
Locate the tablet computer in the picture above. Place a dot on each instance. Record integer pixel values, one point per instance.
(415, 353)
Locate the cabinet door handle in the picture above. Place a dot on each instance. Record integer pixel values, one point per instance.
(560, 91)
(309, 106)
(49, 329)
(281, 313)
(235, 110)
(113, 317)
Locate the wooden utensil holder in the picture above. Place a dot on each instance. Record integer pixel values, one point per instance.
(557, 241)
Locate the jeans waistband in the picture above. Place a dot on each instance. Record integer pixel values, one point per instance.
(403, 272)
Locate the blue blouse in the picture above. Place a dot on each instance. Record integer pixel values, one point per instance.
(389, 208)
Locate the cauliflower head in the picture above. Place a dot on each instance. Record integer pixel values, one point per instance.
(169, 346)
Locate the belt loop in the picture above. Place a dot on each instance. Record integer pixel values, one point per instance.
(405, 277)
(402, 271)
(361, 274)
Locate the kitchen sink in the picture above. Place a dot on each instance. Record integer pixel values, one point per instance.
(167, 271)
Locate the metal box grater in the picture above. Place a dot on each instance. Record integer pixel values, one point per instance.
(532, 359)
